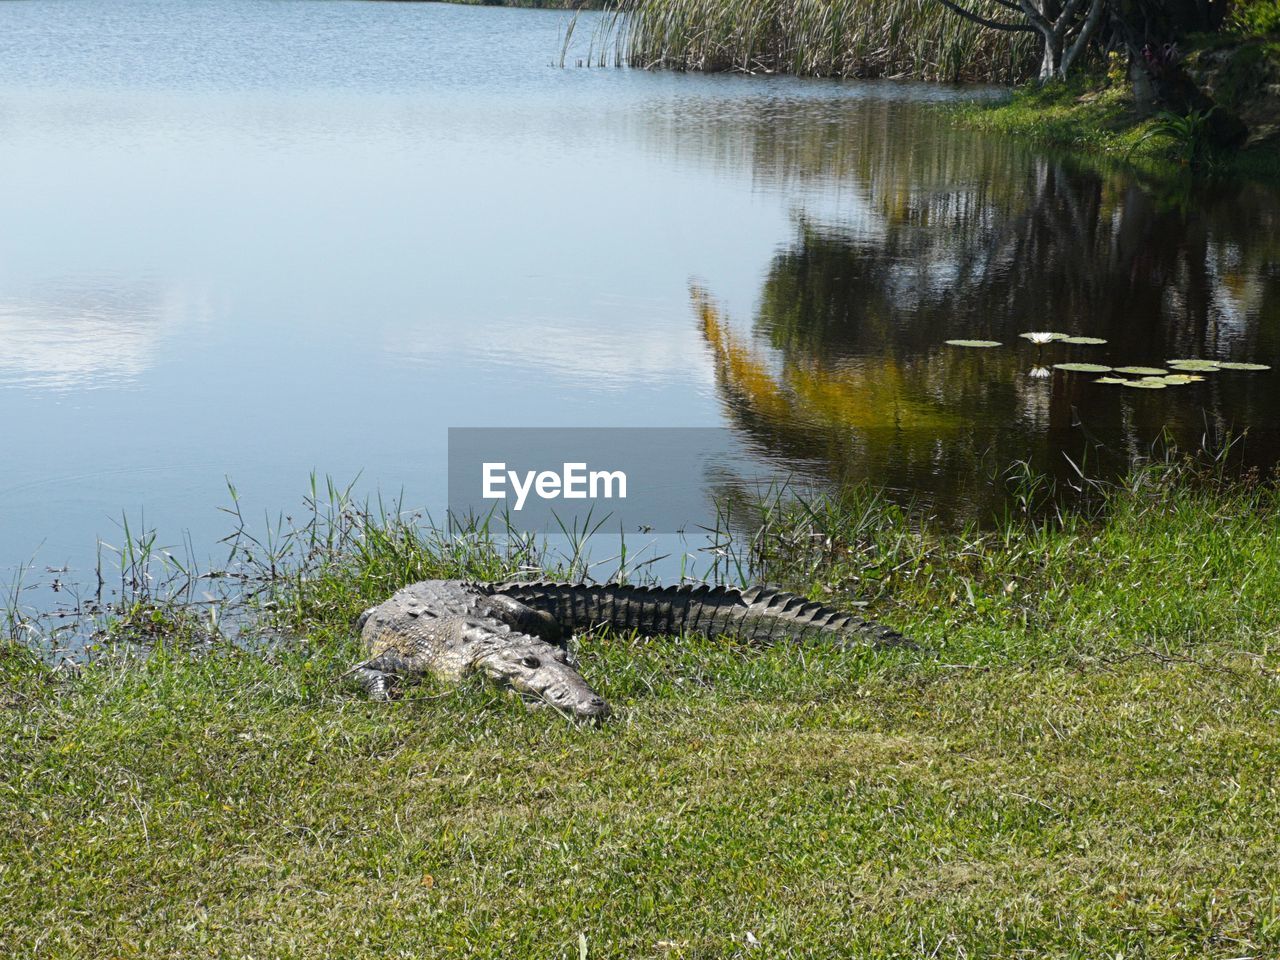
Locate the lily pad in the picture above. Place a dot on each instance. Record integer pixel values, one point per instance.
(1090, 341)
(1143, 371)
(1155, 383)
(1043, 336)
(1181, 378)
(1111, 380)
(1233, 365)
(1195, 366)
(1082, 367)
(974, 343)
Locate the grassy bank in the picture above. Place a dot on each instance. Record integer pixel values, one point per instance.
(1081, 761)
(1087, 115)
(1095, 115)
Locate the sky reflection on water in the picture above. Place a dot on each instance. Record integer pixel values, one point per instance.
(256, 240)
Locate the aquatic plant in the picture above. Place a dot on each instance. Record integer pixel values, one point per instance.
(1234, 365)
(828, 38)
(1082, 367)
(1143, 371)
(1040, 338)
(1185, 371)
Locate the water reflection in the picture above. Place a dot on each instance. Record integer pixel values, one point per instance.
(618, 358)
(79, 334)
(844, 368)
(406, 220)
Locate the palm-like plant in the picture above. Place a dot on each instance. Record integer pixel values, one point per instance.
(1188, 133)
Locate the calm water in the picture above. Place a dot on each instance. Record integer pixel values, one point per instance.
(256, 239)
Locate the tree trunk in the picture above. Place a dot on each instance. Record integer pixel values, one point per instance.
(1051, 62)
(1055, 21)
(1144, 93)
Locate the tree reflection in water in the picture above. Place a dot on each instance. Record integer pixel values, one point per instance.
(845, 374)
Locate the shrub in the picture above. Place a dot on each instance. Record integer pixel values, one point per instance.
(1257, 17)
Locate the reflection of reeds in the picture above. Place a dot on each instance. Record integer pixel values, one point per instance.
(838, 38)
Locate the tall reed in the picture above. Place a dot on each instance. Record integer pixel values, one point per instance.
(827, 38)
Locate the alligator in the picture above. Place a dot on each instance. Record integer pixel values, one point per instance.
(516, 632)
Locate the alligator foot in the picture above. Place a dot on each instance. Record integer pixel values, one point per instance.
(379, 684)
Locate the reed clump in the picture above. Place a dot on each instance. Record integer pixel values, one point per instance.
(825, 38)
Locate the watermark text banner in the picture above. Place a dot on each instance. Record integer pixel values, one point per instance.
(663, 480)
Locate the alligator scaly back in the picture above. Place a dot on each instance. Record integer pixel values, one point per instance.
(757, 615)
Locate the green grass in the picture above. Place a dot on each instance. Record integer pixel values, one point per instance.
(1096, 118)
(1085, 115)
(1081, 762)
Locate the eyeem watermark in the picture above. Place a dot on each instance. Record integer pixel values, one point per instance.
(629, 478)
(573, 482)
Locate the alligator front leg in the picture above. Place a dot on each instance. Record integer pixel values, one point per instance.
(524, 619)
(378, 684)
(381, 675)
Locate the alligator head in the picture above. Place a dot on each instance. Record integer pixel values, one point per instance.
(542, 674)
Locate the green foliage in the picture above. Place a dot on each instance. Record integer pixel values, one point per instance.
(1257, 18)
(1098, 119)
(1188, 135)
(1245, 74)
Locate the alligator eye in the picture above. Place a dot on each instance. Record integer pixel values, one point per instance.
(532, 662)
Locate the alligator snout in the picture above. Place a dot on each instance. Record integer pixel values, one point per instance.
(544, 677)
(584, 704)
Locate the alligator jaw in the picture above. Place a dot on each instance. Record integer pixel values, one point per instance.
(542, 674)
(593, 716)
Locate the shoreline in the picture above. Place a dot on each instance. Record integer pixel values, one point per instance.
(1096, 121)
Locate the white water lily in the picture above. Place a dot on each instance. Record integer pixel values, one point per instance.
(1041, 337)
(1038, 373)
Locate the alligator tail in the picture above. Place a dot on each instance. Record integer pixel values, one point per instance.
(756, 615)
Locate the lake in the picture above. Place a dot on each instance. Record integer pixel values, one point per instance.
(254, 240)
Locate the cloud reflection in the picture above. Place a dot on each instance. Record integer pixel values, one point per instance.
(80, 333)
(601, 356)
